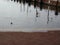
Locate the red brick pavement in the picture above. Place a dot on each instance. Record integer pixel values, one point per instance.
(36, 38)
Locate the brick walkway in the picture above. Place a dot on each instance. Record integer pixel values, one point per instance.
(37, 38)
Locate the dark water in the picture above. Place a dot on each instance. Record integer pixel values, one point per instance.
(15, 14)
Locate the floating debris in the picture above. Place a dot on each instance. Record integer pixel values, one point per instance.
(11, 23)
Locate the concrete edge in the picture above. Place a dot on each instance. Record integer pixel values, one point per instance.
(30, 30)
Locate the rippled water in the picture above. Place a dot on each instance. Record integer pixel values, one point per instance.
(16, 15)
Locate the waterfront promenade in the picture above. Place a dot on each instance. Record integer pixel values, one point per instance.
(37, 38)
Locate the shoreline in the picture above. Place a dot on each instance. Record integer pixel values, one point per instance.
(30, 30)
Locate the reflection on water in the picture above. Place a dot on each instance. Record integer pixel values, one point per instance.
(28, 14)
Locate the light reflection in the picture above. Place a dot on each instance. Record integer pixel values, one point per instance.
(30, 11)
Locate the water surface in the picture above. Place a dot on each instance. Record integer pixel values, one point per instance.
(16, 14)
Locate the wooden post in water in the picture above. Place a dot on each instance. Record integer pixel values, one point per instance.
(35, 2)
(48, 13)
(56, 12)
(48, 16)
(41, 1)
(41, 4)
(49, 1)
